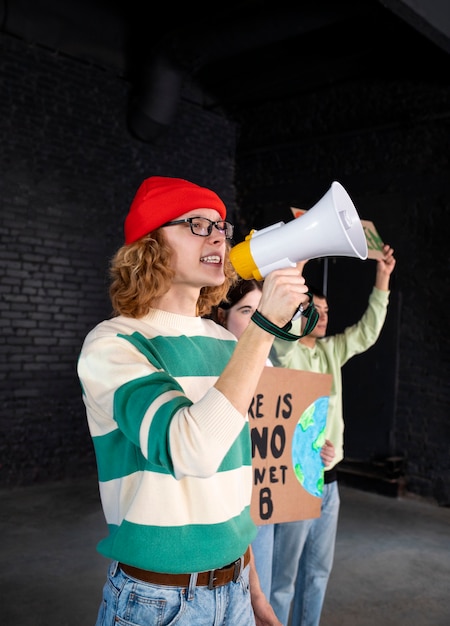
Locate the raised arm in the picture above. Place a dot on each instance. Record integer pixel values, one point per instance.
(385, 267)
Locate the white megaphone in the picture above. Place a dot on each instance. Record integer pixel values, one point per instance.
(330, 228)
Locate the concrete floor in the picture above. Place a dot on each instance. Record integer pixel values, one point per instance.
(392, 562)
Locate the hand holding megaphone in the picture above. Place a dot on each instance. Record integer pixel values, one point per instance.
(330, 228)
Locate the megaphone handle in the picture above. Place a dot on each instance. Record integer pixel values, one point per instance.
(312, 317)
(310, 313)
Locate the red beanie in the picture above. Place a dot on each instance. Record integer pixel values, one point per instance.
(160, 199)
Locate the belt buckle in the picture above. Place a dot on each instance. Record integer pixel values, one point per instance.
(238, 566)
(211, 580)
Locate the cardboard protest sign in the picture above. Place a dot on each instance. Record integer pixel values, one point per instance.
(287, 422)
(374, 241)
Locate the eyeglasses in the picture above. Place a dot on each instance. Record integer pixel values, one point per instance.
(202, 226)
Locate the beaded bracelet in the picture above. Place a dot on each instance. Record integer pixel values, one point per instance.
(310, 313)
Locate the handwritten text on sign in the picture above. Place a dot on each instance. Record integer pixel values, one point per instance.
(284, 461)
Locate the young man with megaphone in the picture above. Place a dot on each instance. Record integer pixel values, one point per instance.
(303, 551)
(167, 395)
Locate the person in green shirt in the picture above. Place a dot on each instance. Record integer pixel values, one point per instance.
(304, 551)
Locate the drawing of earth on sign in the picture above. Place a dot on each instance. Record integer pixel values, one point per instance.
(309, 437)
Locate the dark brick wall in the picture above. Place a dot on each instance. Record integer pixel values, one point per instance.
(69, 169)
(387, 140)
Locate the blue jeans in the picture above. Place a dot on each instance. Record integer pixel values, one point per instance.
(129, 602)
(303, 556)
(262, 547)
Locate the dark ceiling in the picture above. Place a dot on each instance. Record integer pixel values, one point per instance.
(240, 54)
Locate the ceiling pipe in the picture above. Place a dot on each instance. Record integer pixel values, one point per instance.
(154, 99)
(156, 90)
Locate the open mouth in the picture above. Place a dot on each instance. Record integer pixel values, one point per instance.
(214, 259)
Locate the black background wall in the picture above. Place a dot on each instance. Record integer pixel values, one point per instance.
(69, 169)
(386, 139)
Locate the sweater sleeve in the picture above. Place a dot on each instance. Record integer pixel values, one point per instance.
(354, 340)
(183, 434)
(361, 336)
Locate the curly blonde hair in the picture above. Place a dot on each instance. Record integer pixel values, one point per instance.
(141, 272)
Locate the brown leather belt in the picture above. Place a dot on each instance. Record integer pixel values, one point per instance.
(213, 578)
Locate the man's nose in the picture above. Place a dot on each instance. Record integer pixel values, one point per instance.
(216, 236)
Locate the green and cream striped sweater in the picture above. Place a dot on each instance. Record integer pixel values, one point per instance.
(173, 454)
